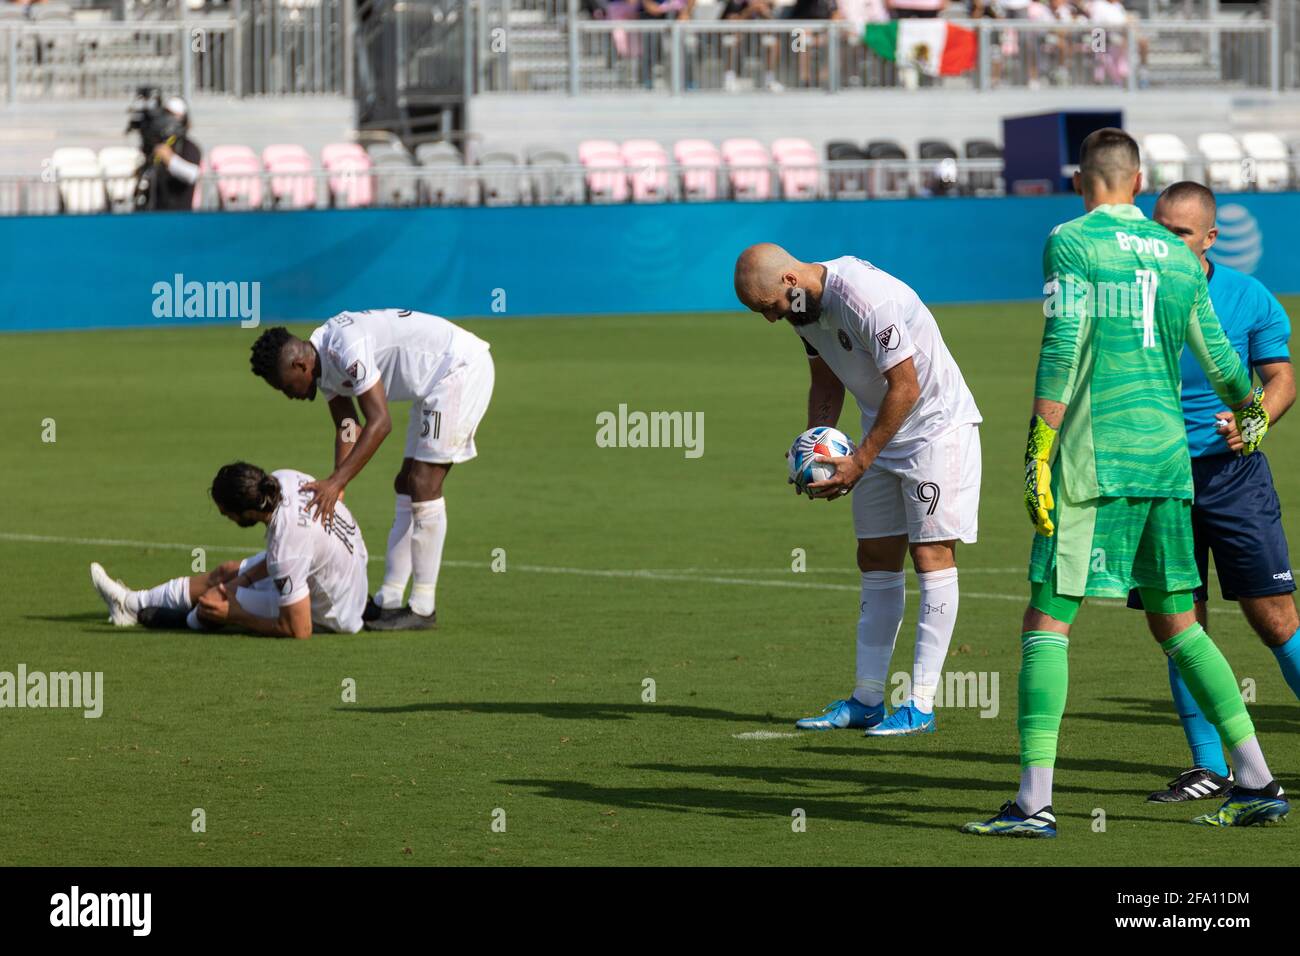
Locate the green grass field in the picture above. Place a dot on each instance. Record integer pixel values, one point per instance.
(622, 565)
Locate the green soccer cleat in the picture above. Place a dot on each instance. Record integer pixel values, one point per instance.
(1249, 808)
(1011, 821)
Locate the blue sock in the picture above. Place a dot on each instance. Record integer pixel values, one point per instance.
(1207, 750)
(1288, 658)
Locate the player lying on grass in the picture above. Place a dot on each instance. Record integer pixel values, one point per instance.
(915, 478)
(307, 578)
(1235, 512)
(381, 356)
(1108, 481)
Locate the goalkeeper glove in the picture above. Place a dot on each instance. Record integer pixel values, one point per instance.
(1252, 422)
(1038, 475)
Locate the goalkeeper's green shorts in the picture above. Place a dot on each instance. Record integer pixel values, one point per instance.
(1106, 547)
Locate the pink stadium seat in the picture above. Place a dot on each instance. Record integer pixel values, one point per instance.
(606, 179)
(591, 148)
(239, 182)
(749, 174)
(796, 162)
(296, 189)
(350, 182)
(702, 163)
(647, 164)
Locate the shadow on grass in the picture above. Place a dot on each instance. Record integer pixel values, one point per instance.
(1147, 712)
(84, 617)
(570, 711)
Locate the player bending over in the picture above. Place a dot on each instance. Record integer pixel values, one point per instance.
(1235, 510)
(308, 577)
(1115, 510)
(916, 476)
(381, 356)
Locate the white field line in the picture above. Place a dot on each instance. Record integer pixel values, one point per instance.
(686, 575)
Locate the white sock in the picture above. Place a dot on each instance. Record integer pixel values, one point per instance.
(1248, 764)
(934, 624)
(1035, 789)
(428, 532)
(883, 598)
(174, 595)
(397, 562)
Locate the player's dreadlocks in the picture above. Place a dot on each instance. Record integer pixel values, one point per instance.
(241, 487)
(266, 353)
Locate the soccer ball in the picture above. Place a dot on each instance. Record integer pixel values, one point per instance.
(823, 440)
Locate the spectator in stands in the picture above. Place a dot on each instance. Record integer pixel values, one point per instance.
(742, 44)
(652, 44)
(811, 10)
(902, 9)
(1112, 62)
(167, 183)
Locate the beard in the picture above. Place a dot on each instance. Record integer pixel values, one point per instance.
(246, 522)
(311, 392)
(798, 319)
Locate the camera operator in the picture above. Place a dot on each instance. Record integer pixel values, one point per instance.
(171, 167)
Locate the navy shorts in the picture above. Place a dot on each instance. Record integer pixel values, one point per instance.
(1237, 516)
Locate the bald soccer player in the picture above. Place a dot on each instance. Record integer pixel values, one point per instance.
(915, 477)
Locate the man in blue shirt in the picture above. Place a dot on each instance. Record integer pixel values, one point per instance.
(1236, 514)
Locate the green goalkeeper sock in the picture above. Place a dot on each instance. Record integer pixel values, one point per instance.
(1209, 677)
(1044, 681)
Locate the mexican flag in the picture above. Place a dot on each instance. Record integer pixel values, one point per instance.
(934, 46)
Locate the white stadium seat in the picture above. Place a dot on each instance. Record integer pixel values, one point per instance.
(81, 184)
(1224, 170)
(119, 165)
(1272, 163)
(1164, 160)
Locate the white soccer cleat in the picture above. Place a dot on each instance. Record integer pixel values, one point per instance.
(114, 594)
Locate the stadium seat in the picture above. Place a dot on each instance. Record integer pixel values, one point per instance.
(1164, 160)
(796, 168)
(1224, 171)
(701, 169)
(503, 183)
(444, 177)
(748, 168)
(552, 182)
(293, 181)
(606, 179)
(647, 166)
(849, 182)
(941, 179)
(119, 166)
(1272, 163)
(81, 186)
(983, 184)
(887, 182)
(394, 169)
(591, 148)
(349, 181)
(239, 181)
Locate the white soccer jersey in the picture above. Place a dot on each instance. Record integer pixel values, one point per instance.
(870, 322)
(303, 558)
(408, 351)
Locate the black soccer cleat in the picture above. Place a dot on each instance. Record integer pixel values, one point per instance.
(1195, 784)
(374, 612)
(403, 619)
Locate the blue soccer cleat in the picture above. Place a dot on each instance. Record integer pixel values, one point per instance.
(1249, 808)
(1011, 821)
(843, 714)
(904, 722)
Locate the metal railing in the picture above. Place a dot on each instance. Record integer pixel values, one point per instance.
(264, 47)
(685, 56)
(568, 184)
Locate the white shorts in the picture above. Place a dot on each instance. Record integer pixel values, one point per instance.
(932, 495)
(442, 425)
(263, 600)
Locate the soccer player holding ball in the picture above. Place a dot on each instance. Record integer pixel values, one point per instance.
(915, 478)
(308, 578)
(1108, 480)
(378, 356)
(1235, 512)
